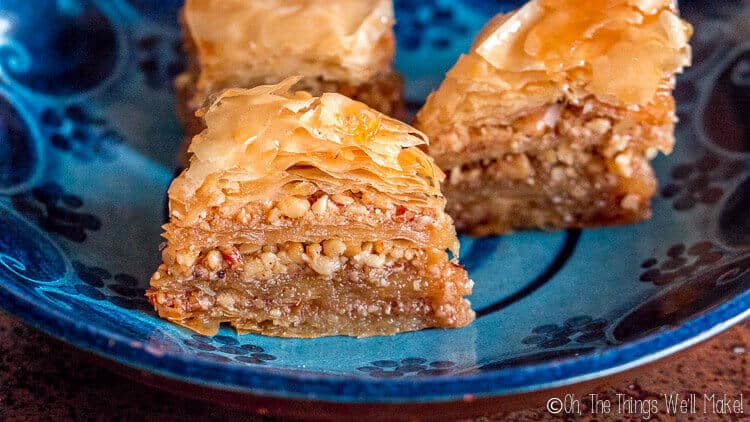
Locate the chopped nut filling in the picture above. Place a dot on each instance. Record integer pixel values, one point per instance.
(324, 258)
(220, 287)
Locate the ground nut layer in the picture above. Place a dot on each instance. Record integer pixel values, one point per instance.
(314, 289)
(587, 123)
(562, 166)
(519, 192)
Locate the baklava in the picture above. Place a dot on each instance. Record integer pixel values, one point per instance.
(304, 216)
(344, 46)
(552, 118)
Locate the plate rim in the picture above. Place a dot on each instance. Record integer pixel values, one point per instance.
(299, 385)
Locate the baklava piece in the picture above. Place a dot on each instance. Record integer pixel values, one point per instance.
(344, 46)
(305, 216)
(552, 118)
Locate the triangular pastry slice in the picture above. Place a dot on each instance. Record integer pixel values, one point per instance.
(552, 117)
(304, 216)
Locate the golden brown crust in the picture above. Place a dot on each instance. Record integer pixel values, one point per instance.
(383, 93)
(240, 43)
(625, 47)
(350, 52)
(261, 140)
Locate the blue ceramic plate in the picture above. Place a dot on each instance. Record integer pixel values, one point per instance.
(88, 144)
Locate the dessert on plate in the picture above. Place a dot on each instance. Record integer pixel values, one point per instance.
(343, 46)
(551, 119)
(304, 216)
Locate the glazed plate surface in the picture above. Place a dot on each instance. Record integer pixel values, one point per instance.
(88, 144)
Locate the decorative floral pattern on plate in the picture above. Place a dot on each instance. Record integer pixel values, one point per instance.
(85, 86)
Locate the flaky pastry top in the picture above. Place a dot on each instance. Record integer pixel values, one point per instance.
(239, 42)
(263, 143)
(623, 52)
